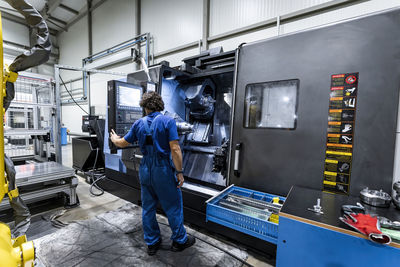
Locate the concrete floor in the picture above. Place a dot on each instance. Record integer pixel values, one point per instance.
(92, 206)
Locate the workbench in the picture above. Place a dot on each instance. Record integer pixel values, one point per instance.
(44, 180)
(308, 239)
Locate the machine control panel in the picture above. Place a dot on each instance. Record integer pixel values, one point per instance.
(125, 119)
(123, 107)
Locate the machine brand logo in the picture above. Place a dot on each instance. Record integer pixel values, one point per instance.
(351, 79)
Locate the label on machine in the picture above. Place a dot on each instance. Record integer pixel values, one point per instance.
(339, 142)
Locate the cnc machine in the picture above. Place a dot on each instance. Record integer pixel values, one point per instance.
(316, 108)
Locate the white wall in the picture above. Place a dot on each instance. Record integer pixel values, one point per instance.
(174, 23)
(113, 23)
(228, 15)
(339, 14)
(74, 47)
(15, 32)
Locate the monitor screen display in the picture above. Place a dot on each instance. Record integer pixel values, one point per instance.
(129, 96)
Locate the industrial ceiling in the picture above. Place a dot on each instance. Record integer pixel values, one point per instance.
(59, 14)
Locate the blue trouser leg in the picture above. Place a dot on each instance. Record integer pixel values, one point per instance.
(149, 221)
(151, 229)
(170, 197)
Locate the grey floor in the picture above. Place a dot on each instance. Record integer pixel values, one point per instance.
(91, 208)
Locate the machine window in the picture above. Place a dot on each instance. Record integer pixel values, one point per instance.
(271, 105)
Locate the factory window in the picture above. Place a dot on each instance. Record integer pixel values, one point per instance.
(271, 105)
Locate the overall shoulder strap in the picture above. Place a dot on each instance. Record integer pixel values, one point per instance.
(146, 125)
(152, 123)
(149, 130)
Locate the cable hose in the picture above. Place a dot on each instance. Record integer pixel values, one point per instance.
(94, 181)
(72, 96)
(95, 185)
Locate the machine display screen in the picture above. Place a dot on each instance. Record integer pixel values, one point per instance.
(128, 96)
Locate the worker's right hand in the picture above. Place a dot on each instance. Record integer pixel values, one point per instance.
(180, 178)
(113, 136)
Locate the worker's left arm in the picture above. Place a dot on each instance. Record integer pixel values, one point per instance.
(117, 140)
(176, 152)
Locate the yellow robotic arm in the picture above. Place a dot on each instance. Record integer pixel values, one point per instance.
(17, 251)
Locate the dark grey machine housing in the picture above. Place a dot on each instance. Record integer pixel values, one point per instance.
(273, 159)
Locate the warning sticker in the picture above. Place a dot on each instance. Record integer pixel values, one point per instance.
(340, 139)
(341, 115)
(340, 147)
(334, 187)
(339, 156)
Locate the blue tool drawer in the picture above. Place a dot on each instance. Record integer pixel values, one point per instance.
(244, 218)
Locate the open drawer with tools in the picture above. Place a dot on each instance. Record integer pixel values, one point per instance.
(248, 211)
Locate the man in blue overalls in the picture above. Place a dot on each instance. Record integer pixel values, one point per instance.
(157, 136)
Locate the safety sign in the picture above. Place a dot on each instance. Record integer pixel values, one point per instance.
(340, 138)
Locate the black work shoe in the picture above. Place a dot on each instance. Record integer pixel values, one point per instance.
(179, 247)
(152, 249)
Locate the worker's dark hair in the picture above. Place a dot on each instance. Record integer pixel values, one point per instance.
(152, 101)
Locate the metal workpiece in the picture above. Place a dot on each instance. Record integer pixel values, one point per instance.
(184, 127)
(229, 203)
(44, 180)
(375, 198)
(247, 205)
(255, 203)
(247, 211)
(46, 193)
(35, 173)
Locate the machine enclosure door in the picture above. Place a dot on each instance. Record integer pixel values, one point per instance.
(290, 147)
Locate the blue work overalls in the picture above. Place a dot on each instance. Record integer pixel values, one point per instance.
(158, 183)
